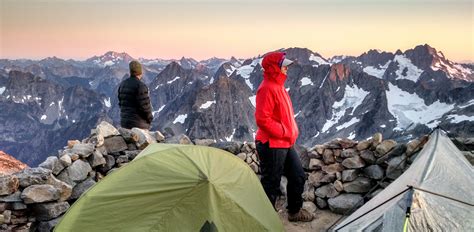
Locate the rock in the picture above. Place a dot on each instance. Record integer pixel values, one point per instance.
(8, 184)
(184, 139)
(398, 150)
(359, 185)
(132, 146)
(115, 144)
(255, 158)
(368, 156)
(338, 176)
(105, 130)
(349, 175)
(128, 135)
(395, 167)
(326, 191)
(254, 167)
(328, 178)
(31, 176)
(333, 144)
(122, 159)
(64, 189)
(338, 186)
(374, 172)
(47, 226)
(246, 148)
(333, 168)
(314, 178)
(65, 160)
(204, 142)
(82, 187)
(321, 203)
(40, 193)
(64, 177)
(252, 145)
(319, 149)
(315, 164)
(310, 207)
(49, 163)
(384, 147)
(242, 156)
(354, 162)
(413, 146)
(144, 138)
(347, 143)
(469, 156)
(48, 211)
(303, 155)
(14, 197)
(78, 170)
(308, 192)
(363, 145)
(96, 159)
(376, 139)
(7, 215)
(84, 150)
(314, 155)
(132, 154)
(349, 153)
(249, 159)
(328, 156)
(74, 157)
(109, 163)
(232, 147)
(345, 202)
(71, 143)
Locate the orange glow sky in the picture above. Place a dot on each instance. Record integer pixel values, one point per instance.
(201, 29)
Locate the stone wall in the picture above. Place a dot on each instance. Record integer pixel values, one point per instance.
(339, 172)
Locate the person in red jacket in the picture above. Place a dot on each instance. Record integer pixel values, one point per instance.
(276, 135)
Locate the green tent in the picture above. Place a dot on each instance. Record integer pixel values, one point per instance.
(170, 187)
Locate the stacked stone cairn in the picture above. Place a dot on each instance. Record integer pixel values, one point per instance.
(339, 172)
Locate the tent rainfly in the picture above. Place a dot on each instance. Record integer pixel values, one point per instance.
(435, 194)
(170, 187)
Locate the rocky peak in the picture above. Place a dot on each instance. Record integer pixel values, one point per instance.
(304, 56)
(339, 72)
(9, 165)
(375, 57)
(188, 63)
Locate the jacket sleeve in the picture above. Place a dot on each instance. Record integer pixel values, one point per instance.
(264, 112)
(144, 103)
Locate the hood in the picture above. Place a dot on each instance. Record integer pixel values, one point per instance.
(272, 71)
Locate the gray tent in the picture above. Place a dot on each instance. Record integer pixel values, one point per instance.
(435, 194)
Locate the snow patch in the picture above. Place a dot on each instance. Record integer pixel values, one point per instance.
(324, 79)
(409, 108)
(353, 97)
(158, 111)
(377, 72)
(246, 70)
(108, 63)
(460, 118)
(299, 112)
(2, 89)
(107, 102)
(469, 103)
(176, 78)
(207, 104)
(181, 118)
(383, 126)
(43, 117)
(352, 135)
(318, 60)
(412, 73)
(253, 100)
(228, 139)
(306, 81)
(347, 124)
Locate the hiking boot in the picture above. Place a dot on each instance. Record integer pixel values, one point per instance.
(302, 216)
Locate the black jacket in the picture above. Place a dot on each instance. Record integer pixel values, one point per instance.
(135, 105)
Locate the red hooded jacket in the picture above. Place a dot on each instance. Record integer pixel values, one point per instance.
(274, 111)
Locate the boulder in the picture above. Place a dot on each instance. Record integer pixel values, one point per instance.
(354, 162)
(321, 203)
(132, 154)
(204, 142)
(376, 139)
(31, 176)
(8, 184)
(359, 185)
(395, 167)
(105, 130)
(242, 156)
(363, 145)
(71, 143)
(338, 185)
(328, 156)
(48, 211)
(345, 202)
(413, 146)
(328, 191)
(109, 164)
(254, 167)
(64, 189)
(47, 226)
(349, 153)
(128, 135)
(40, 193)
(314, 178)
(333, 168)
(334, 144)
(78, 170)
(368, 156)
(232, 147)
(374, 172)
(65, 160)
(347, 143)
(315, 164)
(398, 150)
(310, 207)
(308, 192)
(319, 149)
(96, 159)
(122, 159)
(115, 144)
(82, 187)
(384, 147)
(52, 163)
(14, 197)
(349, 175)
(144, 138)
(84, 150)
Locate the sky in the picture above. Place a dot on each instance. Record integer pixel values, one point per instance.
(80, 29)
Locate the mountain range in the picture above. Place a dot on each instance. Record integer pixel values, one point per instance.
(44, 103)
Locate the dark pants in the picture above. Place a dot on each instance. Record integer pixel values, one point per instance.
(275, 162)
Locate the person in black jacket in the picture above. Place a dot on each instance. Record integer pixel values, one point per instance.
(134, 100)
